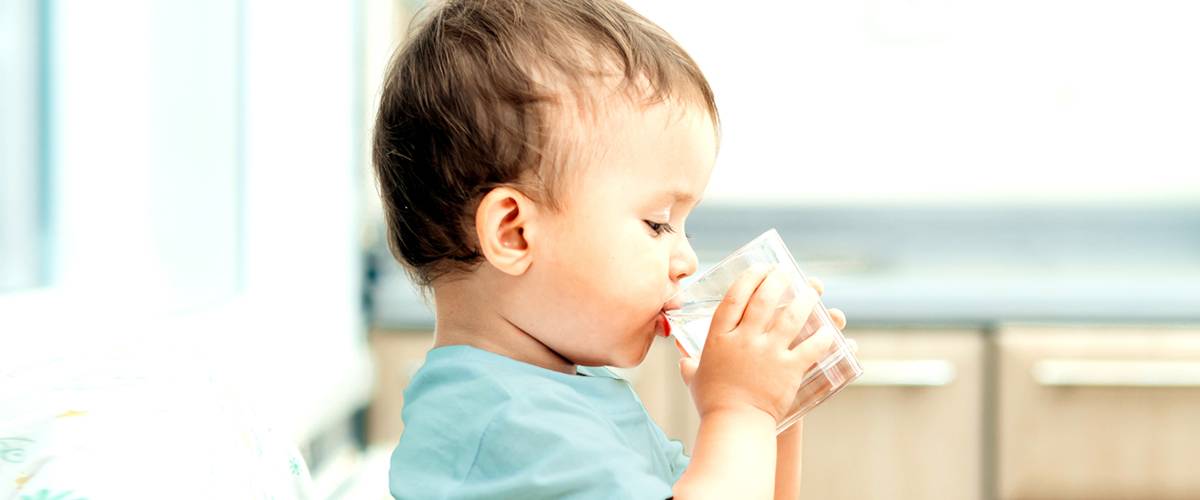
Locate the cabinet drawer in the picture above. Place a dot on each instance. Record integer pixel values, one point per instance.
(1098, 412)
(910, 427)
(397, 356)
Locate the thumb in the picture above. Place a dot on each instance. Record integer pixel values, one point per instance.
(687, 369)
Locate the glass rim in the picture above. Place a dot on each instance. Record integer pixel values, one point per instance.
(769, 234)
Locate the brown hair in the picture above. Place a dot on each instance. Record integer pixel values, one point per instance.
(466, 107)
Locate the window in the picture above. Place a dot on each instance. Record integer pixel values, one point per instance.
(22, 237)
(196, 187)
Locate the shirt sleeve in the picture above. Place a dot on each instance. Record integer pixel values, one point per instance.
(558, 448)
(673, 450)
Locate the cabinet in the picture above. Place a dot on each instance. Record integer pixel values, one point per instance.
(911, 427)
(1098, 412)
(397, 355)
(1019, 412)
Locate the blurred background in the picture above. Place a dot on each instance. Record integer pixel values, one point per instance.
(1004, 197)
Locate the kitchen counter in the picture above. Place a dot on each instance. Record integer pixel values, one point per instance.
(945, 265)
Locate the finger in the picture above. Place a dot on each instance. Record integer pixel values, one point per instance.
(797, 321)
(732, 307)
(789, 320)
(817, 285)
(838, 317)
(814, 348)
(809, 327)
(687, 370)
(765, 302)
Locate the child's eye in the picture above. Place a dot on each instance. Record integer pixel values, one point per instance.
(659, 227)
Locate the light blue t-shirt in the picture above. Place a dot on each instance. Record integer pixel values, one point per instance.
(481, 425)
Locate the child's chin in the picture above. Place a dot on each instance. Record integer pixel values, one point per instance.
(632, 358)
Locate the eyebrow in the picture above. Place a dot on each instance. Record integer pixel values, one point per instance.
(681, 196)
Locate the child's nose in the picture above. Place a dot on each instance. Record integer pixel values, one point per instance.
(683, 262)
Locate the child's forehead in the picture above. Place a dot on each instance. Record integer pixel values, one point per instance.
(653, 152)
(623, 128)
(605, 126)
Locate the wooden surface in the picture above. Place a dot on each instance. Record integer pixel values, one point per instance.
(901, 442)
(867, 442)
(1096, 441)
(397, 356)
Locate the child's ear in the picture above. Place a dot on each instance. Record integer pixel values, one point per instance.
(503, 227)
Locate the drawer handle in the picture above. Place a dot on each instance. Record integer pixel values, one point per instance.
(906, 373)
(1109, 373)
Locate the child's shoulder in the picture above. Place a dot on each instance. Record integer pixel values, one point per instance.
(478, 422)
(470, 407)
(475, 380)
(472, 390)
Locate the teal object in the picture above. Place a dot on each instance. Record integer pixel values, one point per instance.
(481, 425)
(47, 495)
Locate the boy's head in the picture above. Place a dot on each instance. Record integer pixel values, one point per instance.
(548, 151)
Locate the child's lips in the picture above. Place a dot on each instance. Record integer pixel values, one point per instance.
(663, 327)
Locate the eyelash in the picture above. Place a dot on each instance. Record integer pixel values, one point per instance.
(663, 227)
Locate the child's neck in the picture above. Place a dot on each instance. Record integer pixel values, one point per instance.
(469, 314)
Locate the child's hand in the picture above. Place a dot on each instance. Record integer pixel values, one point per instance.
(746, 362)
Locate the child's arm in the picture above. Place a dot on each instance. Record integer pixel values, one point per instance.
(791, 442)
(744, 383)
(734, 457)
(787, 470)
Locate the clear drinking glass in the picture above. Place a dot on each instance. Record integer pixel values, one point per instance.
(698, 301)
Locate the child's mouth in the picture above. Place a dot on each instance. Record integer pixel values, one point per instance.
(662, 327)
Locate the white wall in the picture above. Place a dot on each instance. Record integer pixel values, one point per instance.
(956, 101)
